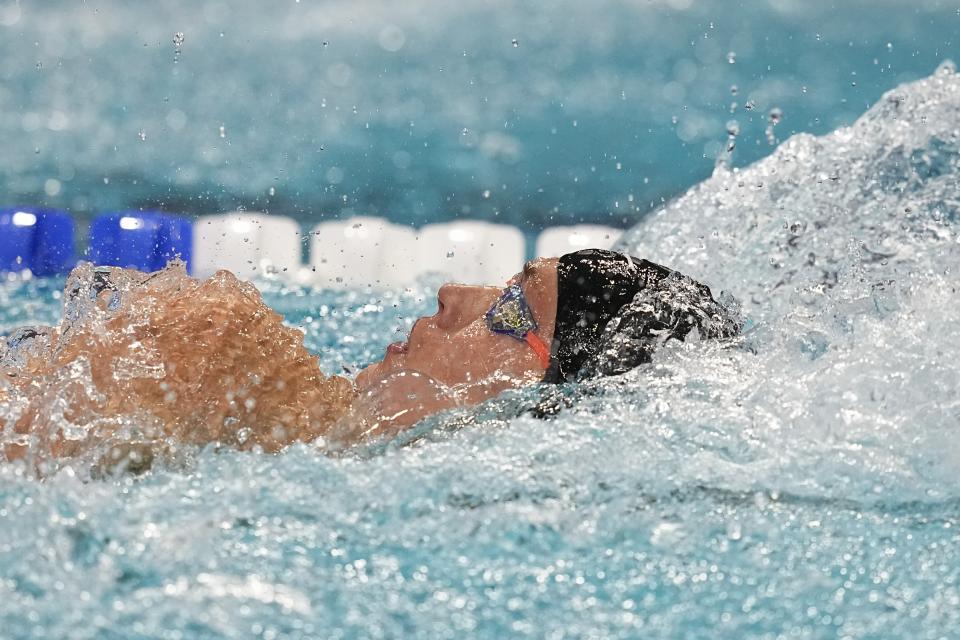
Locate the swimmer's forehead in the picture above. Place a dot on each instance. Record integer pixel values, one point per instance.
(534, 268)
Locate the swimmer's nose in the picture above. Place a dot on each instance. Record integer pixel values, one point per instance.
(461, 304)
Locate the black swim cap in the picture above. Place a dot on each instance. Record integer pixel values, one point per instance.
(613, 310)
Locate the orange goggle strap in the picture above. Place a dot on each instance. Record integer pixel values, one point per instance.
(510, 315)
(540, 347)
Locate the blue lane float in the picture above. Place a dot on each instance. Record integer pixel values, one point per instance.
(37, 239)
(141, 240)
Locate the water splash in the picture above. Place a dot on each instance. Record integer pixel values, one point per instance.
(843, 250)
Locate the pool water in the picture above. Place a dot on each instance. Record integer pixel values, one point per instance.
(801, 485)
(420, 111)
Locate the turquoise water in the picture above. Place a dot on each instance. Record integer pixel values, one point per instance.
(803, 485)
(521, 112)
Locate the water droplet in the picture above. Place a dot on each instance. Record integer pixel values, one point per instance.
(36, 149)
(731, 57)
(486, 193)
(450, 254)
(106, 180)
(890, 44)
(774, 119)
(223, 131)
(750, 105)
(39, 66)
(725, 156)
(177, 43)
(515, 42)
(734, 89)
(142, 134)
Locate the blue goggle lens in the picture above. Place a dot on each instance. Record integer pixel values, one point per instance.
(511, 314)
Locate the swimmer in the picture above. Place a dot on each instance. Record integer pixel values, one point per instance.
(142, 364)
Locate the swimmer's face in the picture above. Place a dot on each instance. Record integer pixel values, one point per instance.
(455, 347)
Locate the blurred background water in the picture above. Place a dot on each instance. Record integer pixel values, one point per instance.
(528, 113)
(802, 485)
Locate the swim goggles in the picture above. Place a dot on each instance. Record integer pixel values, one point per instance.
(511, 315)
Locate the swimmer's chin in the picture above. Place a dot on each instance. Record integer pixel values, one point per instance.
(362, 379)
(368, 376)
